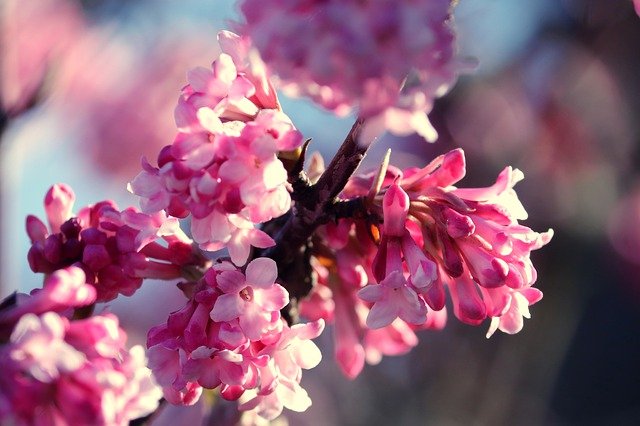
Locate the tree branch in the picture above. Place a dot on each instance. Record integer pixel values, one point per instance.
(314, 206)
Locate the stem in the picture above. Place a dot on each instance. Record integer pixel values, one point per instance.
(83, 312)
(314, 206)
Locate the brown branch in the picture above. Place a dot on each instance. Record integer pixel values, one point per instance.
(314, 206)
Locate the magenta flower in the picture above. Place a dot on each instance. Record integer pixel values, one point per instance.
(115, 249)
(378, 288)
(230, 336)
(336, 299)
(223, 165)
(473, 235)
(280, 377)
(63, 290)
(511, 307)
(77, 372)
(390, 60)
(255, 299)
(393, 298)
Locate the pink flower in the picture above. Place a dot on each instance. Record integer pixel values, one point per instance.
(37, 34)
(235, 89)
(62, 290)
(335, 299)
(405, 56)
(77, 372)
(516, 303)
(393, 298)
(280, 387)
(379, 284)
(255, 299)
(58, 204)
(35, 340)
(472, 234)
(115, 249)
(223, 165)
(230, 336)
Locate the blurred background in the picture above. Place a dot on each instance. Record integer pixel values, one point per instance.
(88, 87)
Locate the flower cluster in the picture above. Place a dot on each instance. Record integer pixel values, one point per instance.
(471, 242)
(230, 336)
(383, 248)
(64, 290)
(379, 288)
(390, 59)
(59, 372)
(223, 165)
(342, 270)
(115, 249)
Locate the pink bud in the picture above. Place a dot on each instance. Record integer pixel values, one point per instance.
(395, 208)
(53, 248)
(96, 257)
(58, 203)
(468, 306)
(36, 230)
(458, 225)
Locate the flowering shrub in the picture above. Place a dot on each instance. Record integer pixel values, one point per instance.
(279, 247)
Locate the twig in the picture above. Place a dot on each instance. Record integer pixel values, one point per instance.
(315, 205)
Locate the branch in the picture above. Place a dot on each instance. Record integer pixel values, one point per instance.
(314, 206)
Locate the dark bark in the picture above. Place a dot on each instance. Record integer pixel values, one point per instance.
(314, 205)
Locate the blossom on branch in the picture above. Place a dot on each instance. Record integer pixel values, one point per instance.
(115, 249)
(473, 235)
(379, 283)
(76, 372)
(223, 167)
(231, 336)
(389, 60)
(374, 254)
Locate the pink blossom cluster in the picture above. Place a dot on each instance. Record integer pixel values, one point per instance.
(223, 165)
(471, 242)
(63, 291)
(390, 59)
(384, 253)
(335, 299)
(56, 371)
(378, 289)
(115, 249)
(231, 336)
(37, 35)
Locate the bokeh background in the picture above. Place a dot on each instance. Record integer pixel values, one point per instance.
(87, 87)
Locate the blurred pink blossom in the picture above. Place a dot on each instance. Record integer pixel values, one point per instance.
(559, 113)
(62, 291)
(35, 36)
(75, 372)
(624, 226)
(118, 96)
(389, 59)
